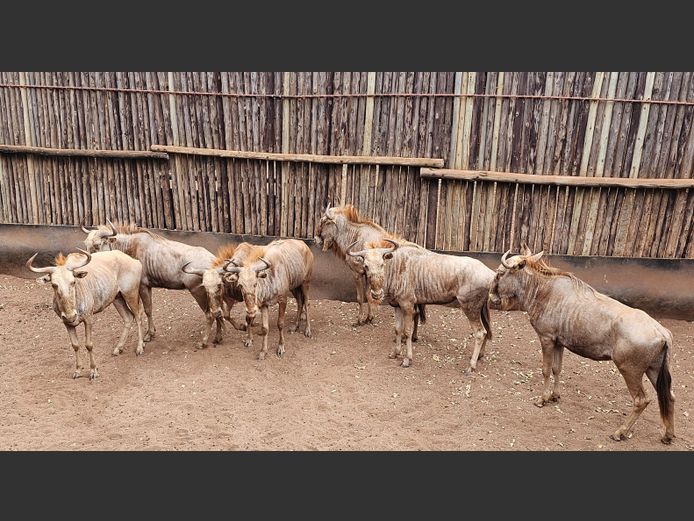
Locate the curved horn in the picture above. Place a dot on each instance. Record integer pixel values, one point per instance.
(395, 246)
(267, 265)
(47, 269)
(503, 260)
(196, 271)
(113, 229)
(89, 259)
(359, 253)
(230, 267)
(84, 229)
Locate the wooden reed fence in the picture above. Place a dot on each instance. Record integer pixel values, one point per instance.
(302, 140)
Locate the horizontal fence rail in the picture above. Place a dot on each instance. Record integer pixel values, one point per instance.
(302, 158)
(556, 180)
(68, 152)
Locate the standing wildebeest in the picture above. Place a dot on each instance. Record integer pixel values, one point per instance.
(162, 262)
(221, 296)
(567, 312)
(85, 284)
(405, 274)
(341, 227)
(266, 276)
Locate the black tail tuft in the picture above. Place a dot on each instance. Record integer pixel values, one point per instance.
(422, 314)
(662, 387)
(484, 315)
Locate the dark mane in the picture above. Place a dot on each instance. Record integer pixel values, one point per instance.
(393, 237)
(225, 252)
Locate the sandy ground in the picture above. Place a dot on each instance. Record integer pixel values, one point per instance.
(335, 391)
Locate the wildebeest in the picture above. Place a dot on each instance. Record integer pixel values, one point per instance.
(267, 276)
(568, 313)
(342, 226)
(404, 274)
(85, 284)
(162, 261)
(221, 296)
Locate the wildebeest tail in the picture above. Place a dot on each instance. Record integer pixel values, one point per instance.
(484, 315)
(663, 387)
(420, 308)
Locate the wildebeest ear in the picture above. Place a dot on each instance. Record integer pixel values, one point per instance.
(537, 256)
(262, 274)
(387, 256)
(80, 274)
(45, 279)
(525, 250)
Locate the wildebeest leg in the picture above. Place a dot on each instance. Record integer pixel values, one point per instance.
(548, 347)
(264, 331)
(127, 316)
(634, 380)
(299, 296)
(146, 296)
(408, 314)
(307, 323)
(133, 302)
(239, 326)
(669, 418)
(416, 326)
(479, 333)
(209, 320)
(219, 335)
(248, 342)
(74, 340)
(556, 369)
(359, 282)
(280, 326)
(397, 347)
(93, 373)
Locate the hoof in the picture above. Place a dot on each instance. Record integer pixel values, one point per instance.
(248, 343)
(540, 402)
(469, 370)
(280, 351)
(140, 351)
(76, 374)
(292, 329)
(93, 374)
(667, 440)
(261, 356)
(202, 346)
(405, 363)
(393, 356)
(116, 352)
(618, 436)
(307, 333)
(217, 341)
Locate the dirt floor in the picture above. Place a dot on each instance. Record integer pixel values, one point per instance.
(335, 391)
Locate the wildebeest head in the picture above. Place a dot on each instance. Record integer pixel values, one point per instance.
(213, 284)
(510, 278)
(327, 229)
(101, 238)
(62, 277)
(247, 281)
(373, 259)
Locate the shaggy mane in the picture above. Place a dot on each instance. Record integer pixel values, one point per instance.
(541, 267)
(393, 237)
(352, 215)
(60, 259)
(223, 253)
(130, 228)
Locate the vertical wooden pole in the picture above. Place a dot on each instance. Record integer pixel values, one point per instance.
(643, 124)
(29, 158)
(285, 149)
(497, 120)
(369, 115)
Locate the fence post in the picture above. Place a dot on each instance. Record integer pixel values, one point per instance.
(369, 115)
(29, 141)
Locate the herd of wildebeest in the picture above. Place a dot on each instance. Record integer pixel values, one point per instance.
(121, 263)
